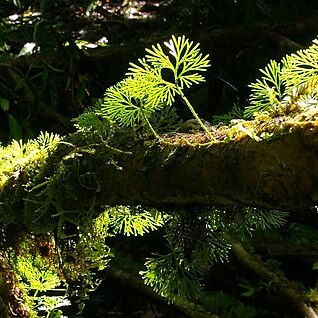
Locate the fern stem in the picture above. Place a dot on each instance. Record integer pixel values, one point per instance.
(186, 101)
(149, 125)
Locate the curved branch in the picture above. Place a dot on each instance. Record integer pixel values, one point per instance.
(185, 307)
(279, 281)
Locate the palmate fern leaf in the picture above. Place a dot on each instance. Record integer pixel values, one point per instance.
(147, 90)
(185, 60)
(158, 58)
(150, 87)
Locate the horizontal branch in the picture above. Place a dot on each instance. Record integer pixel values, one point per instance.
(281, 173)
(278, 173)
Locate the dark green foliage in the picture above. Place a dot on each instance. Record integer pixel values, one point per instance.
(66, 233)
(196, 243)
(228, 306)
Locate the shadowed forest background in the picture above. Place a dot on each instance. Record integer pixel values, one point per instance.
(58, 58)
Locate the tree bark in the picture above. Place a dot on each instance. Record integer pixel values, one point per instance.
(279, 173)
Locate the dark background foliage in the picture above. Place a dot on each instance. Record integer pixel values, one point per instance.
(46, 89)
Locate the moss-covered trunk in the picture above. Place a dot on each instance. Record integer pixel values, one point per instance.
(280, 173)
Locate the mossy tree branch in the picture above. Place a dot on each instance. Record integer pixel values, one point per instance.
(280, 173)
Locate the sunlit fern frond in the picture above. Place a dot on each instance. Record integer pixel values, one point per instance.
(150, 87)
(168, 277)
(120, 105)
(267, 91)
(183, 59)
(134, 220)
(287, 86)
(153, 82)
(301, 66)
(91, 122)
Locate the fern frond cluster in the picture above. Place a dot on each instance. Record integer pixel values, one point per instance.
(288, 86)
(153, 83)
(62, 203)
(197, 242)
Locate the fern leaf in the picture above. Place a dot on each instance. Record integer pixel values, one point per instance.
(134, 220)
(121, 106)
(267, 91)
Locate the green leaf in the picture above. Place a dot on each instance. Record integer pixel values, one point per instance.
(267, 91)
(300, 66)
(185, 61)
(250, 290)
(149, 86)
(15, 128)
(287, 86)
(147, 90)
(120, 105)
(4, 104)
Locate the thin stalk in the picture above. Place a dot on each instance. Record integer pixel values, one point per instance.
(152, 129)
(149, 125)
(186, 101)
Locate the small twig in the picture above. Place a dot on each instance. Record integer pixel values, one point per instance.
(189, 309)
(282, 284)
